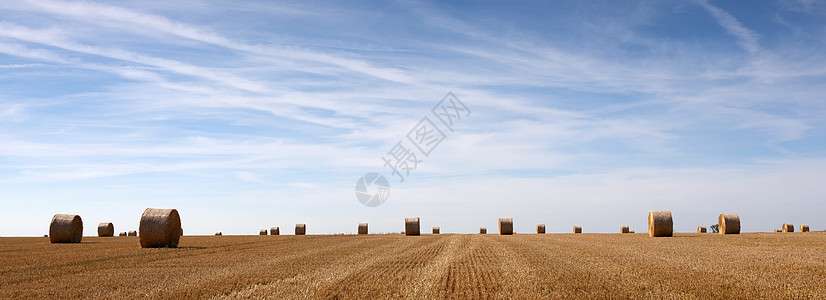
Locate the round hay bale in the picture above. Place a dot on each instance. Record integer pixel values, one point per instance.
(435, 230)
(778, 230)
(300, 229)
(505, 226)
(701, 229)
(106, 229)
(123, 233)
(729, 224)
(362, 228)
(624, 229)
(160, 228)
(262, 232)
(219, 233)
(540, 228)
(66, 229)
(804, 228)
(577, 229)
(788, 227)
(275, 231)
(483, 230)
(132, 233)
(660, 224)
(411, 226)
(632, 231)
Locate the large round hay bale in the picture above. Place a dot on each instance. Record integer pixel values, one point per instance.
(483, 230)
(804, 228)
(435, 230)
(776, 230)
(219, 233)
(505, 226)
(275, 230)
(632, 231)
(540, 228)
(123, 233)
(362, 228)
(160, 228)
(411, 226)
(300, 229)
(788, 227)
(729, 224)
(625, 229)
(132, 233)
(660, 223)
(106, 229)
(66, 229)
(262, 232)
(577, 229)
(701, 229)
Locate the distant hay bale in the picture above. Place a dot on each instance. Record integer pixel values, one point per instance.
(701, 229)
(362, 228)
(577, 229)
(632, 231)
(106, 229)
(435, 230)
(262, 232)
(660, 224)
(300, 229)
(219, 233)
(624, 229)
(160, 228)
(132, 233)
(66, 229)
(729, 224)
(505, 226)
(540, 228)
(411, 226)
(483, 230)
(275, 231)
(804, 228)
(788, 227)
(778, 230)
(123, 233)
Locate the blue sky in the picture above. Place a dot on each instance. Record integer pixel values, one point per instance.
(256, 114)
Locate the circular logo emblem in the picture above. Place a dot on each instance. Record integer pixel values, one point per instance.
(372, 189)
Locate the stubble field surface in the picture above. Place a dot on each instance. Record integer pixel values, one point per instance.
(523, 266)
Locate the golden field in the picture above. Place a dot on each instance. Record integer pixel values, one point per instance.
(523, 266)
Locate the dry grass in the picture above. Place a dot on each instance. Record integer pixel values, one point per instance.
(551, 266)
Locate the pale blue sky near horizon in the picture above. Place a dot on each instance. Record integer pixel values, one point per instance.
(249, 115)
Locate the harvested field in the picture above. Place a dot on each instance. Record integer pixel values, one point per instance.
(472, 266)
